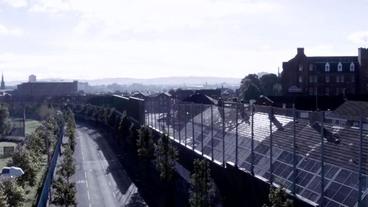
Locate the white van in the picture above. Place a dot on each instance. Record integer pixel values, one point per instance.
(11, 172)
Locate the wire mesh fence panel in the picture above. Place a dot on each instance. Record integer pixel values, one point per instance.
(320, 156)
(230, 132)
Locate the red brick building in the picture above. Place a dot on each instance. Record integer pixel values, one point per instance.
(326, 75)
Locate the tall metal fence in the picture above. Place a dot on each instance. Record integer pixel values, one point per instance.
(47, 182)
(321, 157)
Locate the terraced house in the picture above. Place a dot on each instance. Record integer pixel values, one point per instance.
(326, 75)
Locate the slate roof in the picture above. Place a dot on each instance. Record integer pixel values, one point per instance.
(341, 158)
(352, 110)
(320, 62)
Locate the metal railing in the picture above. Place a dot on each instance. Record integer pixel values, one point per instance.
(318, 156)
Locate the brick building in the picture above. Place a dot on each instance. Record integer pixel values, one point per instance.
(326, 75)
(41, 89)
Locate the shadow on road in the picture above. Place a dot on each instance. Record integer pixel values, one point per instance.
(145, 177)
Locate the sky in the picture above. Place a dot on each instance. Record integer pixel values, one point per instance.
(90, 39)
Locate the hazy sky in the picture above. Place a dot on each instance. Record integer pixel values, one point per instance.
(88, 39)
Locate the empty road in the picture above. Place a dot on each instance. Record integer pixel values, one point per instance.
(100, 178)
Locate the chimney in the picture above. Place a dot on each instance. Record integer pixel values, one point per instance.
(362, 55)
(300, 50)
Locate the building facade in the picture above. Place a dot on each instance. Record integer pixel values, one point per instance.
(40, 89)
(326, 75)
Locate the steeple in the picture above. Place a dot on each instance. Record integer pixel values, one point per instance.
(2, 82)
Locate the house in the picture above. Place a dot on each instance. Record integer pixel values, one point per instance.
(326, 75)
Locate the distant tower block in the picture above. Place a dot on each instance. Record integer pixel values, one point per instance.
(32, 78)
(2, 82)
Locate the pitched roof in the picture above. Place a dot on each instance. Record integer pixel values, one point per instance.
(352, 110)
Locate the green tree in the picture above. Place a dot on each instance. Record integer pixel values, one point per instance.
(67, 166)
(2, 196)
(29, 164)
(268, 81)
(202, 190)
(165, 157)
(145, 146)
(278, 198)
(5, 124)
(250, 88)
(70, 129)
(14, 194)
(64, 193)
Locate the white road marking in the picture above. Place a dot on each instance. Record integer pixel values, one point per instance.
(88, 195)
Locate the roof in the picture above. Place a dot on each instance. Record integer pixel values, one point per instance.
(352, 110)
(336, 59)
(341, 158)
(200, 98)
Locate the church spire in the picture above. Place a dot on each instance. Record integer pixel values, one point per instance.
(2, 81)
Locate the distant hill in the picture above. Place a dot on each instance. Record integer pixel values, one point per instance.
(189, 81)
(167, 81)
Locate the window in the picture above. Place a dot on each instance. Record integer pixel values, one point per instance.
(352, 67)
(300, 79)
(311, 79)
(315, 79)
(310, 67)
(327, 78)
(327, 67)
(339, 67)
(353, 79)
(337, 79)
(310, 91)
(337, 91)
(342, 79)
(327, 91)
(300, 67)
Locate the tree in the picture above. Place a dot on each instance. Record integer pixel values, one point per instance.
(145, 147)
(29, 164)
(268, 81)
(67, 166)
(64, 193)
(202, 190)
(70, 129)
(5, 124)
(166, 156)
(278, 198)
(136, 201)
(2, 196)
(250, 88)
(14, 194)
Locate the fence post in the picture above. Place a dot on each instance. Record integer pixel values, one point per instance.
(252, 141)
(236, 134)
(271, 142)
(155, 115)
(168, 118)
(322, 160)
(178, 121)
(193, 143)
(294, 152)
(360, 204)
(202, 136)
(185, 125)
(212, 157)
(223, 134)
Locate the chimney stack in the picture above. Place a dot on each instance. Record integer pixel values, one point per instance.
(300, 50)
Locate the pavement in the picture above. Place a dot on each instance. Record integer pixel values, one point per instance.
(100, 178)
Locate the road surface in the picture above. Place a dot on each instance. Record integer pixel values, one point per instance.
(100, 178)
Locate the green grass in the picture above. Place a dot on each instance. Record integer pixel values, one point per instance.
(31, 126)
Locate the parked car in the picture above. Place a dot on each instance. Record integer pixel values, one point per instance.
(11, 172)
